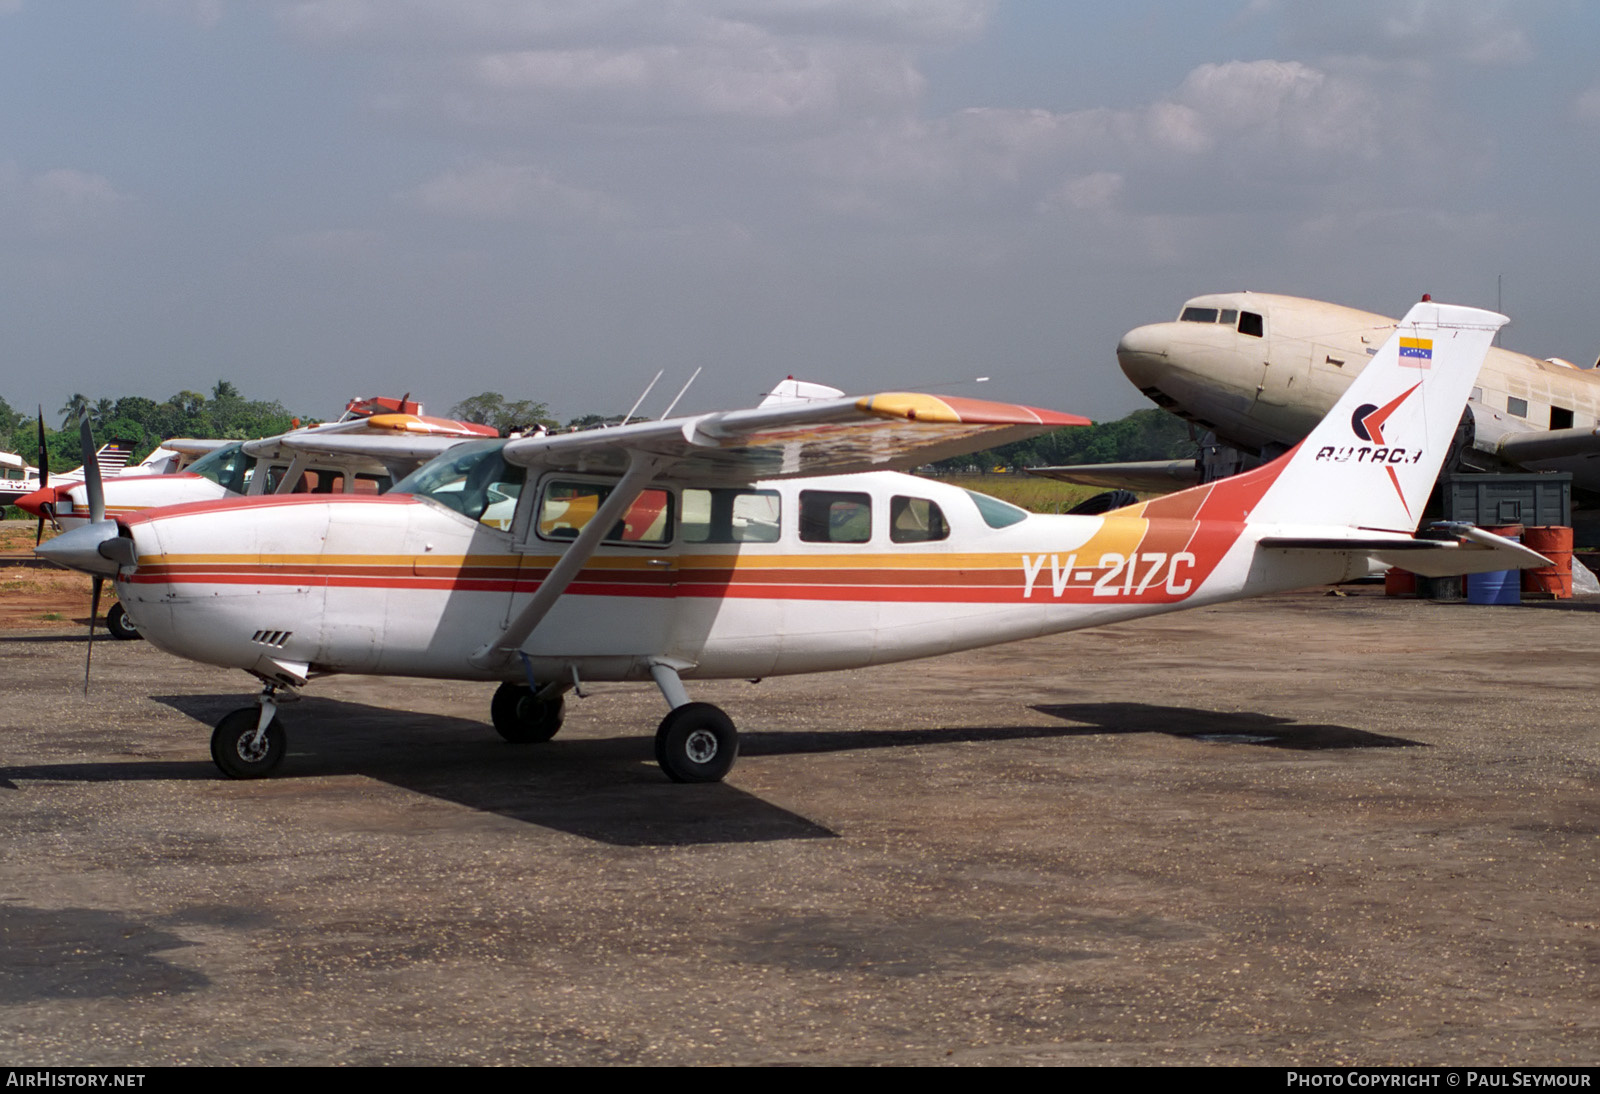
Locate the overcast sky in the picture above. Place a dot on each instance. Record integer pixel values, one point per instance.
(555, 199)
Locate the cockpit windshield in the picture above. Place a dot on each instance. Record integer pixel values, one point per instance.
(228, 467)
(473, 479)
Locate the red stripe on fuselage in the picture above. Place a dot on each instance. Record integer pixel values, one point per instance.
(267, 501)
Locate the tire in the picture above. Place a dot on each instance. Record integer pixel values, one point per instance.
(697, 744)
(120, 626)
(524, 720)
(231, 750)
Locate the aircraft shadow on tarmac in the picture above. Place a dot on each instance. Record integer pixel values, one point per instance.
(608, 790)
(1223, 727)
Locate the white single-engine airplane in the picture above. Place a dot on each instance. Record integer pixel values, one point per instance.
(707, 547)
(394, 438)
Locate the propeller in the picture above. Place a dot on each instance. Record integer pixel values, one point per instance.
(97, 513)
(44, 481)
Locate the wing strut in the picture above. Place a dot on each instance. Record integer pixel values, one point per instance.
(641, 469)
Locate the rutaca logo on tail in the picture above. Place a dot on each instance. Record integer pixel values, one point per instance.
(1367, 424)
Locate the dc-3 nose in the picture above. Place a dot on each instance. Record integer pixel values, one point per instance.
(1143, 354)
(93, 549)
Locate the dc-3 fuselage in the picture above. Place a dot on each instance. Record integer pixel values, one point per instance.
(700, 548)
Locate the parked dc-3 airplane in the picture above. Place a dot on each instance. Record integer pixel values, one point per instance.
(1258, 371)
(708, 547)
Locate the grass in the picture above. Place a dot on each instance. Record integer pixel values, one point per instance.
(1031, 492)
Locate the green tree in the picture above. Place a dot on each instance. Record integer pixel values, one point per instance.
(492, 408)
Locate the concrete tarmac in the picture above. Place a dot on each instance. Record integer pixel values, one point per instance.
(1305, 830)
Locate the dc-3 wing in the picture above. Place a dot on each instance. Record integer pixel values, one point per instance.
(1155, 476)
(891, 431)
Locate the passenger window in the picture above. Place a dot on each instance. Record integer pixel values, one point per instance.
(371, 484)
(916, 520)
(1198, 315)
(833, 516)
(1250, 323)
(1517, 406)
(730, 515)
(568, 507)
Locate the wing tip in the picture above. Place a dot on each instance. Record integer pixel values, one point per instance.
(959, 410)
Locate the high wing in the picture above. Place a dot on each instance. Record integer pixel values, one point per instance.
(886, 432)
(892, 431)
(194, 447)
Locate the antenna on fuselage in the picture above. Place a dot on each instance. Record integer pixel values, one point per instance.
(642, 394)
(667, 413)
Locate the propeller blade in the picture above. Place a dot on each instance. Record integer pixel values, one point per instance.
(44, 453)
(94, 610)
(91, 474)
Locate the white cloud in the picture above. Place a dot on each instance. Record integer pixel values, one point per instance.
(58, 202)
(1478, 32)
(498, 191)
(1587, 105)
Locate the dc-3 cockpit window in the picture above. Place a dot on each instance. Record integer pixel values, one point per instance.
(730, 515)
(916, 520)
(1246, 322)
(228, 467)
(473, 480)
(997, 513)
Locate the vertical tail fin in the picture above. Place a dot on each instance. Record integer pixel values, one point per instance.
(1373, 460)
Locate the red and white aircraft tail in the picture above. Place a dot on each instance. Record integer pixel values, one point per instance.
(1373, 460)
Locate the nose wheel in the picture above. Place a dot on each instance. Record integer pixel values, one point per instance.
(244, 746)
(120, 626)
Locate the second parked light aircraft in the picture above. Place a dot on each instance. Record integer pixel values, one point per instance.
(707, 547)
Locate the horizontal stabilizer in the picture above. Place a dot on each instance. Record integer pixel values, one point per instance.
(1474, 551)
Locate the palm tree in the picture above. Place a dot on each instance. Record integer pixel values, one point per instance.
(77, 407)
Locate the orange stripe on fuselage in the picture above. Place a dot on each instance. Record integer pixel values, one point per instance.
(1124, 559)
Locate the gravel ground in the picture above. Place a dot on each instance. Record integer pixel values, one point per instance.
(1302, 830)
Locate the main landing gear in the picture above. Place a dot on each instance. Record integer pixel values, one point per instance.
(696, 742)
(524, 716)
(250, 742)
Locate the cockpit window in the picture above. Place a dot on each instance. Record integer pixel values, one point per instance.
(1198, 315)
(997, 513)
(228, 467)
(1250, 323)
(473, 479)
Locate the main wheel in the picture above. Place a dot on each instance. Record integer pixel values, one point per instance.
(522, 719)
(238, 753)
(697, 744)
(120, 626)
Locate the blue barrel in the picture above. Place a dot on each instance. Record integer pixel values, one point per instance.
(1495, 587)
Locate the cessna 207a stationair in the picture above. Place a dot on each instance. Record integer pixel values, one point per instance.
(705, 547)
